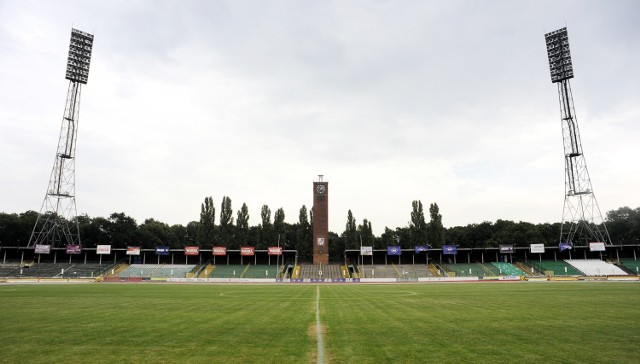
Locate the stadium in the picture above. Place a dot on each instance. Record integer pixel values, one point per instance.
(79, 290)
(275, 265)
(195, 305)
(183, 308)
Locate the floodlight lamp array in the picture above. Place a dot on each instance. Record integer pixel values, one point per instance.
(79, 56)
(559, 55)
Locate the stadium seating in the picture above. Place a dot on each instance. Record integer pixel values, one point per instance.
(472, 269)
(204, 270)
(156, 271)
(227, 271)
(508, 269)
(436, 270)
(261, 271)
(9, 270)
(596, 267)
(329, 271)
(527, 268)
(55, 270)
(632, 265)
(559, 268)
(332, 271)
(413, 271)
(380, 271)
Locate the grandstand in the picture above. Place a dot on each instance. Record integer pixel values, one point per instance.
(227, 271)
(156, 271)
(9, 270)
(413, 271)
(556, 268)
(632, 265)
(527, 268)
(379, 271)
(53, 270)
(406, 271)
(327, 271)
(508, 269)
(261, 271)
(472, 269)
(596, 267)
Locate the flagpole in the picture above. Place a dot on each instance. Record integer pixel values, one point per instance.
(278, 256)
(361, 257)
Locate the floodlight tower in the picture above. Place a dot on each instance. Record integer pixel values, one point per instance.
(57, 222)
(581, 214)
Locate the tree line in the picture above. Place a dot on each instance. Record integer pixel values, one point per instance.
(233, 230)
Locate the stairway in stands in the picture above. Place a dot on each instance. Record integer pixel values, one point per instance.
(326, 271)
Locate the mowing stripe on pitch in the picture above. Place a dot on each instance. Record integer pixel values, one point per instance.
(319, 337)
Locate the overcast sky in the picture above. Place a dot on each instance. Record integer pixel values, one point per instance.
(392, 101)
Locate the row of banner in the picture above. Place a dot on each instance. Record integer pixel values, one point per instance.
(504, 248)
(160, 250)
(275, 250)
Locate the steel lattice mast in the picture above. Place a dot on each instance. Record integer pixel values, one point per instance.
(57, 222)
(581, 216)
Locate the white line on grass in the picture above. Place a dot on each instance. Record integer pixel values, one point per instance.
(319, 338)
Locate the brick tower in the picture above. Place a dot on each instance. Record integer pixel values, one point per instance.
(320, 221)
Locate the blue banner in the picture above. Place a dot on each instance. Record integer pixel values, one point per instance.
(449, 249)
(565, 246)
(162, 250)
(421, 248)
(393, 250)
(506, 248)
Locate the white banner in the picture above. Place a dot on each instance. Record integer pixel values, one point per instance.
(596, 247)
(219, 250)
(103, 249)
(133, 250)
(42, 249)
(537, 248)
(247, 251)
(366, 250)
(274, 250)
(191, 250)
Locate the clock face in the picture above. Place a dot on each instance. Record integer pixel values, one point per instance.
(320, 189)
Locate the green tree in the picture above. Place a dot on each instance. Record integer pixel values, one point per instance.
(153, 233)
(279, 225)
(265, 216)
(179, 234)
(191, 234)
(226, 223)
(242, 225)
(366, 233)
(122, 229)
(435, 228)
(99, 231)
(207, 221)
(350, 234)
(388, 237)
(266, 230)
(404, 238)
(418, 225)
(15, 230)
(304, 235)
(623, 225)
(336, 247)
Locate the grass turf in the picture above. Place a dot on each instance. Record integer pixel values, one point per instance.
(168, 323)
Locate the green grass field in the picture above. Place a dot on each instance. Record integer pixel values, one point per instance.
(404, 323)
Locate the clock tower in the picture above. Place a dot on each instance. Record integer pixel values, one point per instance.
(320, 221)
